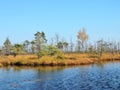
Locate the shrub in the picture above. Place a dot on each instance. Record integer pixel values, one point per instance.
(52, 51)
(59, 54)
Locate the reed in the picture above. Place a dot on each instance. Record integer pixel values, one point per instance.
(67, 60)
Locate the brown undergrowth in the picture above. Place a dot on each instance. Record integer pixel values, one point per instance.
(67, 60)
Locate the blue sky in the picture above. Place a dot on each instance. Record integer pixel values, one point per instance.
(20, 19)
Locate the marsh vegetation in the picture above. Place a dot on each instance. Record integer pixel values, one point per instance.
(59, 52)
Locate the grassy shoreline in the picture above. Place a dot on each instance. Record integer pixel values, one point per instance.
(68, 60)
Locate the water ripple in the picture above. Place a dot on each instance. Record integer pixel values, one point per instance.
(92, 77)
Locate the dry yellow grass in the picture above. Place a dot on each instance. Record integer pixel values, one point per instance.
(109, 57)
(69, 59)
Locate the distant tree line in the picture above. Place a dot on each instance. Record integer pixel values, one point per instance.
(40, 47)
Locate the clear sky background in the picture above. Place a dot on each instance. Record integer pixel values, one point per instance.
(20, 19)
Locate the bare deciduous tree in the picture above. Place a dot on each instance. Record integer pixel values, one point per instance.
(57, 38)
(71, 45)
(82, 38)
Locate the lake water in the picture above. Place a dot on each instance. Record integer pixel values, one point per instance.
(92, 77)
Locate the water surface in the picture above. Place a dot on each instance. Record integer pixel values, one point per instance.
(92, 77)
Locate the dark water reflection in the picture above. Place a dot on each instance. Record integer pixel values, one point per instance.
(93, 77)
